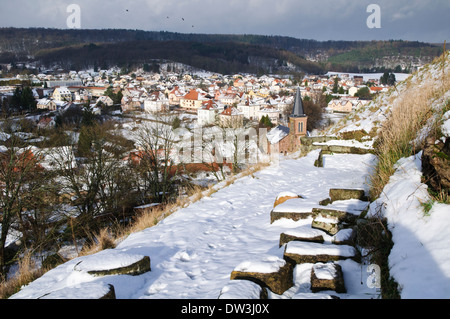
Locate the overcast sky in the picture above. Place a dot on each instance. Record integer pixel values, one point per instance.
(422, 20)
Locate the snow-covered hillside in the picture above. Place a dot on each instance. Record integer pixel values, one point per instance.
(419, 260)
(194, 250)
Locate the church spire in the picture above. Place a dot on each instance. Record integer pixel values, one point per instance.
(298, 111)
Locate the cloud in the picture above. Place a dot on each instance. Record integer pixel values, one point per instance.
(423, 20)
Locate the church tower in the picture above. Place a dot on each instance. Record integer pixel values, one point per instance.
(298, 119)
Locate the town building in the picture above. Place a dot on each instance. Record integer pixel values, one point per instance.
(283, 139)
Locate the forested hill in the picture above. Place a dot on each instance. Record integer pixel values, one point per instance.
(32, 40)
(215, 52)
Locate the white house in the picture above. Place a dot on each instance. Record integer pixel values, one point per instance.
(105, 100)
(352, 91)
(154, 106)
(231, 117)
(250, 111)
(46, 104)
(62, 94)
(206, 115)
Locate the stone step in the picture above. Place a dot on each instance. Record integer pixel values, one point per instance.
(327, 276)
(342, 237)
(330, 226)
(111, 262)
(339, 215)
(302, 234)
(295, 216)
(347, 193)
(272, 272)
(306, 252)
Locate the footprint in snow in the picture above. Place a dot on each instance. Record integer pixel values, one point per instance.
(155, 288)
(185, 256)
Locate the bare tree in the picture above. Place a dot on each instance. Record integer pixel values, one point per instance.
(18, 166)
(94, 183)
(157, 171)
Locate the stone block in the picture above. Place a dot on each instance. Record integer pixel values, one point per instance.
(327, 276)
(344, 194)
(274, 273)
(304, 252)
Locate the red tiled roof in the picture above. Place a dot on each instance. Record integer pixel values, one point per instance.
(192, 95)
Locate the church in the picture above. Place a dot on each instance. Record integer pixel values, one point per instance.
(284, 139)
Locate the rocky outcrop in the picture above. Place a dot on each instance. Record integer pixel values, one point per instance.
(436, 164)
(309, 144)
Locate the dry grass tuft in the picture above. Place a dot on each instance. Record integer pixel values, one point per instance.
(28, 271)
(398, 136)
(103, 240)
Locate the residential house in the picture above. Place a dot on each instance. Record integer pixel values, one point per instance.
(46, 122)
(345, 106)
(133, 99)
(206, 115)
(352, 90)
(358, 80)
(46, 104)
(62, 94)
(96, 91)
(175, 96)
(249, 110)
(228, 98)
(106, 100)
(80, 95)
(231, 117)
(239, 83)
(130, 104)
(378, 89)
(156, 102)
(193, 100)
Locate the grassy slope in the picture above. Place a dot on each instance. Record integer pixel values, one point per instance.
(399, 122)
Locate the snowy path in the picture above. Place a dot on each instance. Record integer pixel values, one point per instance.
(194, 251)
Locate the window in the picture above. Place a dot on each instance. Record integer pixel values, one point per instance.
(300, 127)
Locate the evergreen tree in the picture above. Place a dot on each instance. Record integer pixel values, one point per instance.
(336, 85)
(388, 78)
(27, 99)
(265, 122)
(16, 99)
